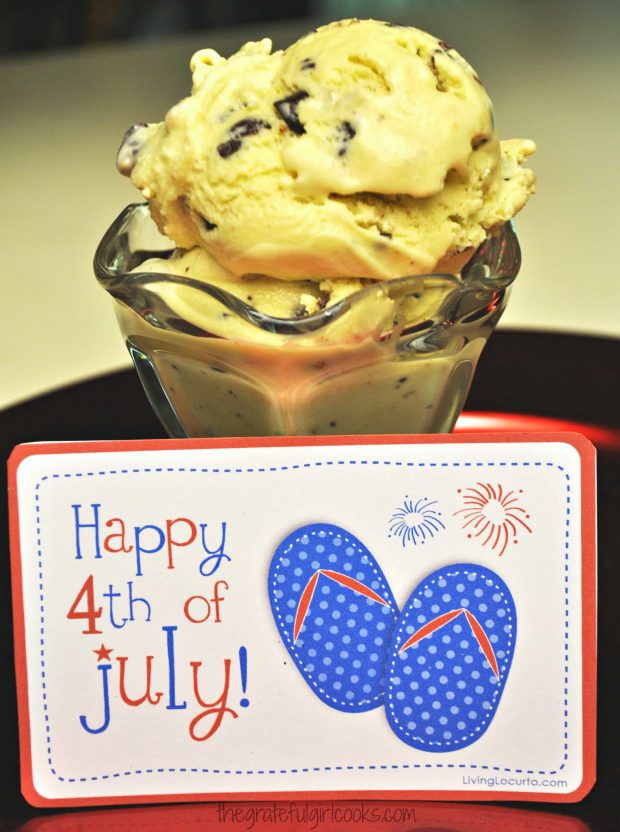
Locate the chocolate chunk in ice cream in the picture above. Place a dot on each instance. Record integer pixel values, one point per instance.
(132, 144)
(346, 132)
(287, 110)
(245, 127)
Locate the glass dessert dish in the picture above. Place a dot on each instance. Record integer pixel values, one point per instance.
(395, 357)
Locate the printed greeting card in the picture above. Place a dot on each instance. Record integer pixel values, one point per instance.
(380, 616)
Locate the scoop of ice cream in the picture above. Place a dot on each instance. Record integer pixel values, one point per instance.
(364, 150)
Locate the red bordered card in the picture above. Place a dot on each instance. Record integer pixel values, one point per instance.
(379, 617)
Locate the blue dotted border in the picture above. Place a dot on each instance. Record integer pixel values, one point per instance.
(294, 467)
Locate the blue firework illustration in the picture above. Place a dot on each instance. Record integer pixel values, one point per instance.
(415, 522)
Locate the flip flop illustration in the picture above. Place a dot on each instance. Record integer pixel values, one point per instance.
(335, 613)
(450, 657)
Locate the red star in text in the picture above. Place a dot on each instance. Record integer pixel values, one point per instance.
(103, 653)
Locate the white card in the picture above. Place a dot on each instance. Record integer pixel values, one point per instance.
(390, 617)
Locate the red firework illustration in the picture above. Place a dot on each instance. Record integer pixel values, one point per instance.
(493, 514)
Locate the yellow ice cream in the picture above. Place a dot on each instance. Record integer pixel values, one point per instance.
(364, 150)
(292, 180)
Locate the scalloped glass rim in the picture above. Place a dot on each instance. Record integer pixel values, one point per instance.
(490, 271)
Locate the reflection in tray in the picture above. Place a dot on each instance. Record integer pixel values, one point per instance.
(473, 422)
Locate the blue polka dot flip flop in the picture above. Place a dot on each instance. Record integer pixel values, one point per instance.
(335, 613)
(449, 658)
